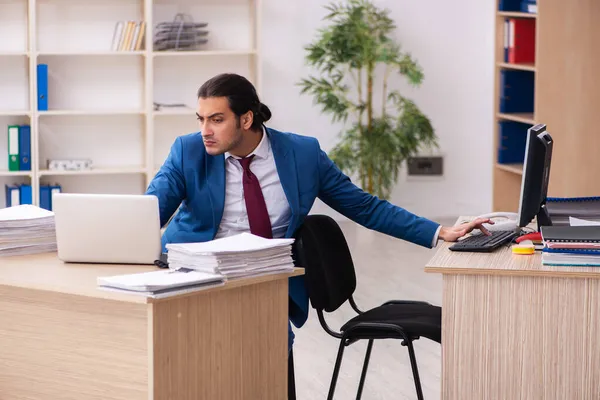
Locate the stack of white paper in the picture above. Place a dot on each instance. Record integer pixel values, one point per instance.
(160, 283)
(234, 256)
(26, 229)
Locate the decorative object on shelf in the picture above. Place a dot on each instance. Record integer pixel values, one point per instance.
(128, 36)
(182, 34)
(159, 106)
(358, 40)
(70, 165)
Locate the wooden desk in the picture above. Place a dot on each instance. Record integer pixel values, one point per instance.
(62, 338)
(515, 329)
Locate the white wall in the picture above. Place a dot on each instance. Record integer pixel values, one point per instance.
(453, 42)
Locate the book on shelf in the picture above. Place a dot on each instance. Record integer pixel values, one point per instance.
(128, 35)
(19, 147)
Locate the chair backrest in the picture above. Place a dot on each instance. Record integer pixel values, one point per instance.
(321, 248)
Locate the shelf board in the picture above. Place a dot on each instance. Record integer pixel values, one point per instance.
(92, 112)
(514, 168)
(13, 53)
(96, 171)
(16, 173)
(516, 14)
(91, 53)
(14, 113)
(522, 67)
(526, 118)
(203, 53)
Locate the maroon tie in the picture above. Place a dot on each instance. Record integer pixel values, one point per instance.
(258, 216)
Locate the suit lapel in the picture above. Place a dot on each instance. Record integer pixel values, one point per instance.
(286, 168)
(215, 180)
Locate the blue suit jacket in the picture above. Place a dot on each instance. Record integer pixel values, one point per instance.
(195, 181)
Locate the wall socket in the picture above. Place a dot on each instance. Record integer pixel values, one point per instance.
(422, 165)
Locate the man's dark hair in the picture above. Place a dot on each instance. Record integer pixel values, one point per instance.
(241, 95)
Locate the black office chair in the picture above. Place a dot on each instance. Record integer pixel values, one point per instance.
(321, 248)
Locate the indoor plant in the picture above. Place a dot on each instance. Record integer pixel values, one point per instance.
(346, 55)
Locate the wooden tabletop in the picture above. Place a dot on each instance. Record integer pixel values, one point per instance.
(47, 272)
(501, 262)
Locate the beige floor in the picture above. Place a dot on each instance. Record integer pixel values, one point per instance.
(386, 268)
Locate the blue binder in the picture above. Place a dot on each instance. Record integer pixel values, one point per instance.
(42, 87)
(54, 189)
(529, 6)
(45, 198)
(509, 5)
(517, 89)
(26, 196)
(25, 148)
(511, 143)
(12, 195)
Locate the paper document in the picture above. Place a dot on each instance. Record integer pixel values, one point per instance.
(155, 281)
(26, 229)
(582, 222)
(234, 256)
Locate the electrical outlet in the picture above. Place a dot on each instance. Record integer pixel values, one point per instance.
(430, 166)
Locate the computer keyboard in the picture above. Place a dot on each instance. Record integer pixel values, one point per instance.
(484, 243)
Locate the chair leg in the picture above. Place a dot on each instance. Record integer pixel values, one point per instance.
(415, 370)
(291, 377)
(336, 370)
(364, 370)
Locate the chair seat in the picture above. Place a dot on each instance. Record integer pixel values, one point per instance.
(415, 320)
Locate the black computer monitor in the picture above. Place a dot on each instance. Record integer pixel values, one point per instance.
(536, 175)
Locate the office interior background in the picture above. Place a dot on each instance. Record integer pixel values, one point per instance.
(101, 107)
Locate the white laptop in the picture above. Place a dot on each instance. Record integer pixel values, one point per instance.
(107, 228)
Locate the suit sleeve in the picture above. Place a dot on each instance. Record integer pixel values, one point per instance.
(337, 191)
(168, 184)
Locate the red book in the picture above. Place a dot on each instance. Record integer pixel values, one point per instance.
(522, 41)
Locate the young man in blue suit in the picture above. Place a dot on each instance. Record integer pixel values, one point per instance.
(236, 175)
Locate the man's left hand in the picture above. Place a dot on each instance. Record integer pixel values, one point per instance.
(453, 233)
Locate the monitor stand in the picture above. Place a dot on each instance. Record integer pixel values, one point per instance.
(543, 217)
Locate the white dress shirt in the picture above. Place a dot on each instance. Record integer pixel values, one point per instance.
(235, 216)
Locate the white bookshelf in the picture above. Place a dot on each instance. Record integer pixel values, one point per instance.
(101, 101)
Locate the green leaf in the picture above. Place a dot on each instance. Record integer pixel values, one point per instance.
(358, 37)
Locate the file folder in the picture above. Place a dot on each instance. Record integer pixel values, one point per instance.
(26, 196)
(517, 90)
(12, 195)
(54, 189)
(13, 147)
(42, 86)
(513, 136)
(45, 197)
(25, 148)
